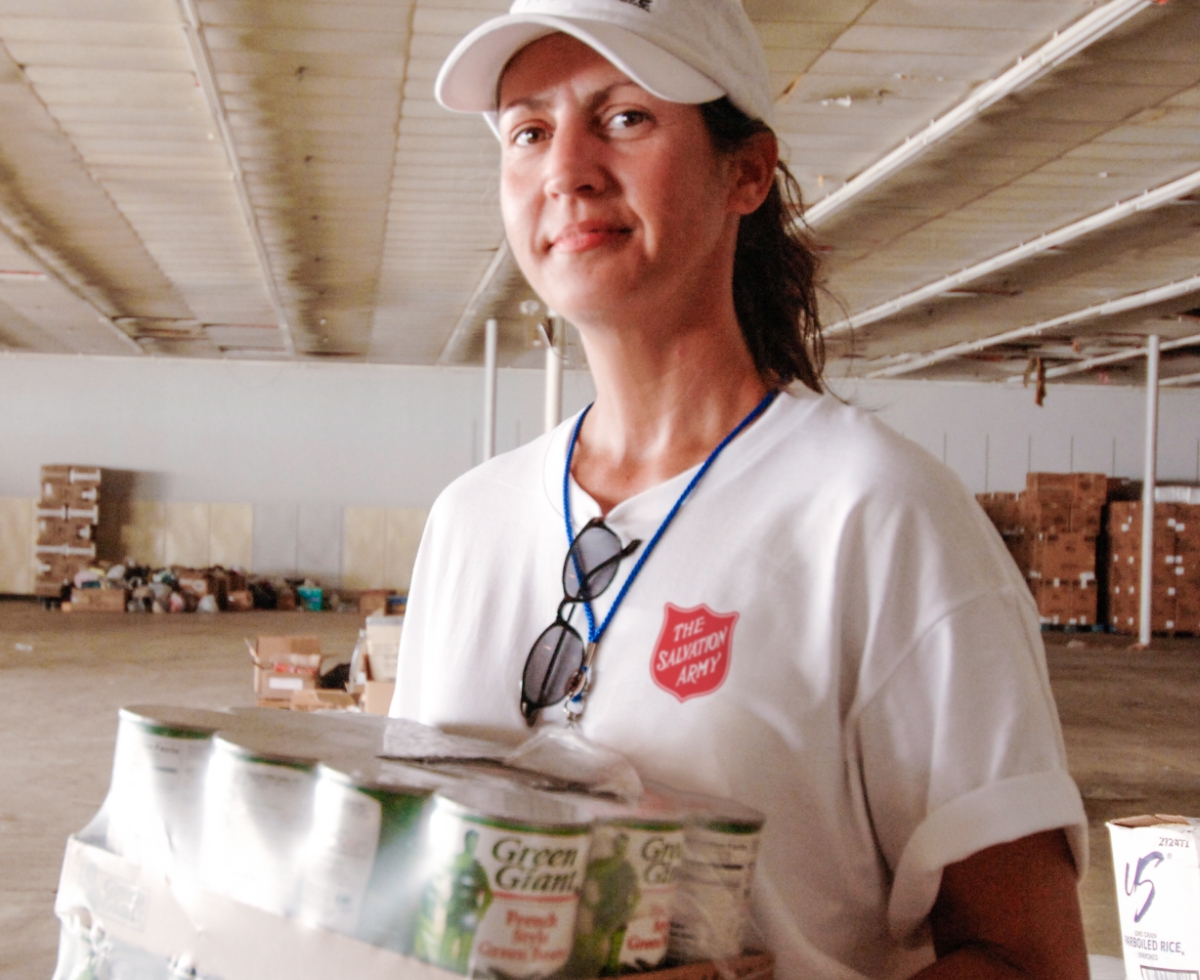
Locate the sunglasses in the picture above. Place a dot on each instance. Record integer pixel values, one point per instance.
(557, 666)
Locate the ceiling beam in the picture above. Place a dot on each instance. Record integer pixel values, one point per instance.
(206, 74)
(1148, 201)
(1124, 304)
(457, 348)
(61, 273)
(1101, 360)
(1061, 47)
(1180, 380)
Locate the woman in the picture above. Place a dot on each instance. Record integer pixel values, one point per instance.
(790, 605)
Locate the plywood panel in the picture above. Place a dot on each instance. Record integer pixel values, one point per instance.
(274, 539)
(186, 534)
(143, 537)
(404, 528)
(231, 535)
(16, 545)
(364, 560)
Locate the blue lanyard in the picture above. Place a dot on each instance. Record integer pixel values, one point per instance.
(594, 634)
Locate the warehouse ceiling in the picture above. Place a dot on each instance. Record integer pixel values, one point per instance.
(1000, 189)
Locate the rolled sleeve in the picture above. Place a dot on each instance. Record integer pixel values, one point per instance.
(960, 749)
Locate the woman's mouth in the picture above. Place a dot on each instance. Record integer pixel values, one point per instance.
(586, 236)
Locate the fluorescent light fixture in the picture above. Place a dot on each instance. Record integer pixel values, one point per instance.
(1134, 301)
(1061, 47)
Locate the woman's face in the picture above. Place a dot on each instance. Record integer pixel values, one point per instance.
(614, 201)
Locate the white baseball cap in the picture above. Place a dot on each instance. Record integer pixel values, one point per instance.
(689, 51)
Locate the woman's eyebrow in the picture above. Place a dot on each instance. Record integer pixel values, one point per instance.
(539, 101)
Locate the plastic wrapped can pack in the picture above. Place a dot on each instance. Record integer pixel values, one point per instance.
(624, 919)
(504, 872)
(257, 808)
(363, 855)
(159, 765)
(712, 902)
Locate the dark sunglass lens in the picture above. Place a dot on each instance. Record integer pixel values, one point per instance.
(592, 561)
(552, 666)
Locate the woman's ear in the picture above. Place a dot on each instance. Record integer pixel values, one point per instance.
(753, 172)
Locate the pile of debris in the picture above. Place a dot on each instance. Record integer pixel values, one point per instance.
(129, 587)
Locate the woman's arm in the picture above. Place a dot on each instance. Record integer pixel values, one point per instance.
(1010, 911)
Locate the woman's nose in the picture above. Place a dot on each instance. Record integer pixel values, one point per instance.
(575, 164)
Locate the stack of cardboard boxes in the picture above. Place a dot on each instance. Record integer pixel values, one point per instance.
(67, 516)
(1175, 594)
(1004, 510)
(1051, 531)
(1062, 523)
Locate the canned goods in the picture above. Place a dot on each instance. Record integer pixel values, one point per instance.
(712, 903)
(502, 888)
(154, 801)
(257, 808)
(362, 858)
(624, 919)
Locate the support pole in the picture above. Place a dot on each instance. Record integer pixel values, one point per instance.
(1145, 611)
(489, 389)
(555, 354)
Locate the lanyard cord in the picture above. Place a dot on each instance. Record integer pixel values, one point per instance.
(594, 634)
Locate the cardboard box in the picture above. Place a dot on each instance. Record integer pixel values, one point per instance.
(201, 582)
(240, 600)
(1065, 604)
(373, 602)
(98, 600)
(1062, 556)
(1158, 895)
(383, 646)
(377, 697)
(1050, 510)
(51, 530)
(284, 664)
(71, 473)
(319, 700)
(52, 571)
(69, 495)
(142, 920)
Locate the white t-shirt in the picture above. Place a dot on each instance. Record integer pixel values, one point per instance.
(830, 631)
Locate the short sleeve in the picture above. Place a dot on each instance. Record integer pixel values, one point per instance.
(960, 749)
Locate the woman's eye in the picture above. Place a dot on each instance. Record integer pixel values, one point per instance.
(627, 119)
(528, 135)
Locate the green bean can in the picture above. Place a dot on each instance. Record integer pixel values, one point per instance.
(363, 855)
(624, 920)
(505, 868)
(159, 766)
(257, 810)
(712, 904)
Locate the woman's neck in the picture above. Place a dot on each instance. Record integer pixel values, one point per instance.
(664, 401)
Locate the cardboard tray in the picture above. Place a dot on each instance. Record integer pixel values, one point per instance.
(226, 939)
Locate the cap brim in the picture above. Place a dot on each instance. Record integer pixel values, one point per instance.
(469, 81)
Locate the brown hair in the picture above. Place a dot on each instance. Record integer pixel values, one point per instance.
(774, 268)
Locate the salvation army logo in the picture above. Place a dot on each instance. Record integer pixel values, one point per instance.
(691, 657)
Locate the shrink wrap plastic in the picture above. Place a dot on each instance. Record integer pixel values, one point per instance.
(258, 842)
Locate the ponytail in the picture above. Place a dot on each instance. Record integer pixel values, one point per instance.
(774, 268)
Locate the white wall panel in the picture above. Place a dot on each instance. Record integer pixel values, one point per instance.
(279, 435)
(319, 542)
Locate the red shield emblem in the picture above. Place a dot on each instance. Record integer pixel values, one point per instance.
(691, 656)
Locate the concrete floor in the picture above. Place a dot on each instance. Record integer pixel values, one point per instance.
(1129, 720)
